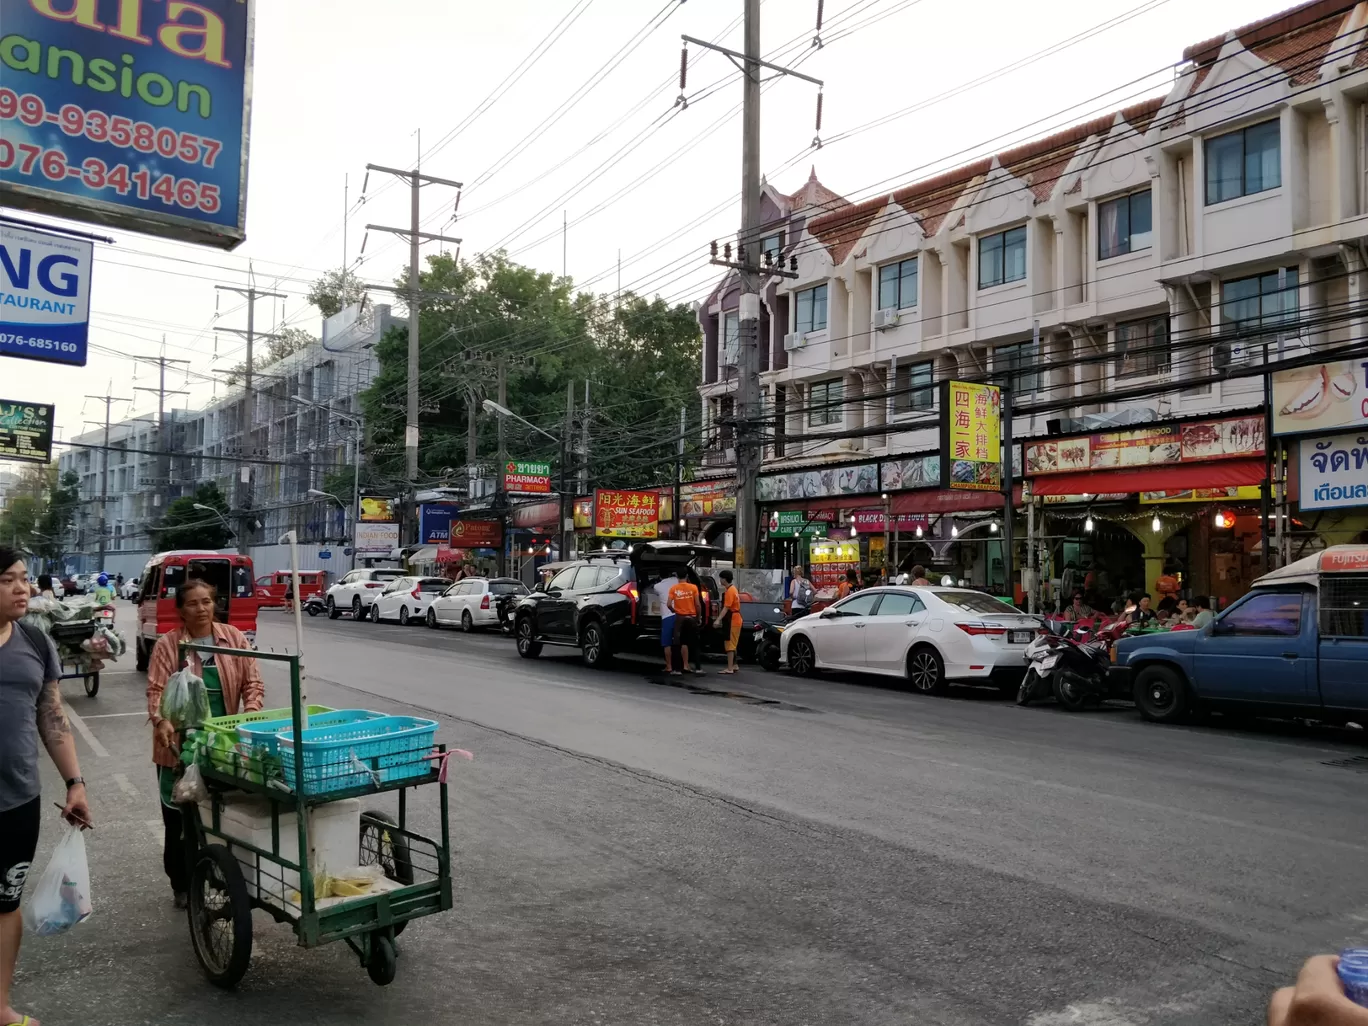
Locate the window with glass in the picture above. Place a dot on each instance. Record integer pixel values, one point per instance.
(810, 311)
(898, 285)
(859, 605)
(1243, 162)
(899, 603)
(1142, 347)
(1020, 366)
(913, 391)
(731, 335)
(1262, 300)
(770, 247)
(1276, 614)
(1002, 257)
(1123, 225)
(824, 402)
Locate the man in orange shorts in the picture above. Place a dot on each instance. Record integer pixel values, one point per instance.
(729, 619)
(684, 601)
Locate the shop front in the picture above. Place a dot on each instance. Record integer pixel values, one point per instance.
(707, 510)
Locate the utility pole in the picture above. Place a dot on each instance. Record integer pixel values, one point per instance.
(749, 439)
(584, 442)
(679, 470)
(415, 237)
(163, 493)
(243, 500)
(567, 534)
(108, 400)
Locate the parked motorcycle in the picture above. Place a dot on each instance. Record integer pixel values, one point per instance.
(313, 605)
(1073, 664)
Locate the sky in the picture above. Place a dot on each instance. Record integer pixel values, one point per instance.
(342, 83)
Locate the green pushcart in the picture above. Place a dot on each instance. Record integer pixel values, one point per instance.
(252, 843)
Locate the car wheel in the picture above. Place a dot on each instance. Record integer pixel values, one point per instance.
(528, 645)
(926, 670)
(467, 624)
(432, 619)
(375, 612)
(333, 611)
(358, 614)
(1161, 695)
(403, 616)
(594, 645)
(802, 658)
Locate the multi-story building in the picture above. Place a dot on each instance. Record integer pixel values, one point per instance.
(1142, 267)
(285, 432)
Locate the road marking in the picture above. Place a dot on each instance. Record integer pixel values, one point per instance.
(107, 716)
(126, 785)
(157, 829)
(91, 739)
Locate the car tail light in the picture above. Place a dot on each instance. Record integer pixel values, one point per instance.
(630, 590)
(374, 584)
(976, 627)
(417, 592)
(484, 602)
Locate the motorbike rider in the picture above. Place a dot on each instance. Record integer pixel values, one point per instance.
(104, 594)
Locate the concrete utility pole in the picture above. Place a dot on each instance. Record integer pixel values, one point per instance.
(415, 237)
(567, 534)
(584, 442)
(163, 449)
(244, 486)
(749, 439)
(108, 400)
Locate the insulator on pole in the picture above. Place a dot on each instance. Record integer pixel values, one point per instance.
(714, 249)
(683, 68)
(819, 110)
(820, 5)
(726, 251)
(817, 37)
(364, 239)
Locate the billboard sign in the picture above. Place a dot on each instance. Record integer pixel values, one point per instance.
(376, 539)
(789, 523)
(971, 436)
(44, 294)
(626, 514)
(434, 522)
(376, 509)
(476, 534)
(1155, 445)
(584, 514)
(1320, 398)
(26, 431)
(523, 478)
(708, 498)
(1334, 471)
(133, 114)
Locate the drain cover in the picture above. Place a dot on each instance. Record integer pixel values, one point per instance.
(1358, 763)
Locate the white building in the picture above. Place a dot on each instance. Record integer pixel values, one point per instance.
(1154, 253)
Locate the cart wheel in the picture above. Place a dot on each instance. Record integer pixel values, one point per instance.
(92, 684)
(383, 960)
(383, 848)
(220, 916)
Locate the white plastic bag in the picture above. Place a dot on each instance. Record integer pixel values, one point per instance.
(190, 787)
(62, 897)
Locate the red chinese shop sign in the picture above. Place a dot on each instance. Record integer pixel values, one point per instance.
(619, 514)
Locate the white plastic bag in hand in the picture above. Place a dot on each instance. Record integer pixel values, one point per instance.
(190, 787)
(62, 897)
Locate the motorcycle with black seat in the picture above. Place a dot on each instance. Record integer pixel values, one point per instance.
(1073, 663)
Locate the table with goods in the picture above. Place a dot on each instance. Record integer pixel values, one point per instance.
(271, 802)
(82, 629)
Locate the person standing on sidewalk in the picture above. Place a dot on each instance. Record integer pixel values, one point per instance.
(667, 620)
(234, 686)
(684, 602)
(30, 711)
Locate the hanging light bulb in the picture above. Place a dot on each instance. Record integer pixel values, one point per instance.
(954, 531)
(919, 531)
(993, 527)
(853, 532)
(1088, 524)
(1155, 525)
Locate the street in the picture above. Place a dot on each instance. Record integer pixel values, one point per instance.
(758, 849)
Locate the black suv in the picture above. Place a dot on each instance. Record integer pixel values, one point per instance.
(603, 604)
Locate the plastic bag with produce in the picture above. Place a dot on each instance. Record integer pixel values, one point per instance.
(184, 701)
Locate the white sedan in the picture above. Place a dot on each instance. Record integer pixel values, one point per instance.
(928, 636)
(472, 603)
(406, 599)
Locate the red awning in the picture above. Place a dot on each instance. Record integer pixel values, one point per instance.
(1216, 474)
(925, 500)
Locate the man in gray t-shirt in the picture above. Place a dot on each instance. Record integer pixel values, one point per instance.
(31, 711)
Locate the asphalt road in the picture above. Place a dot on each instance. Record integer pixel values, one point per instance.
(760, 849)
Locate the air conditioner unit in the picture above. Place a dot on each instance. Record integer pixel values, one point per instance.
(885, 319)
(1225, 355)
(794, 340)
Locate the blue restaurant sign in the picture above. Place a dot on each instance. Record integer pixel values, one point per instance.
(132, 113)
(44, 295)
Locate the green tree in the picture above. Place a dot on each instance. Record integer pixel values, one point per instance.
(41, 509)
(335, 290)
(184, 527)
(63, 500)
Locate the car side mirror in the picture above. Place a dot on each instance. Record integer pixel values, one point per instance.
(829, 614)
(553, 591)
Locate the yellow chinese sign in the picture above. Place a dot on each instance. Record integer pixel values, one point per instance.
(971, 435)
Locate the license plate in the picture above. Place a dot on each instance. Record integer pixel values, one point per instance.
(1019, 637)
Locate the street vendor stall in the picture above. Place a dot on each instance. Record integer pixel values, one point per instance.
(82, 630)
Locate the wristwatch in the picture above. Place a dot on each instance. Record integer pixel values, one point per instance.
(74, 781)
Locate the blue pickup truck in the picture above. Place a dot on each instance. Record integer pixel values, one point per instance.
(1295, 645)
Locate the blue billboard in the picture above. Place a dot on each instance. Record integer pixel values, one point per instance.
(44, 295)
(434, 523)
(131, 113)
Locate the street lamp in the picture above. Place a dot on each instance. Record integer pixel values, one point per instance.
(356, 466)
(222, 519)
(499, 410)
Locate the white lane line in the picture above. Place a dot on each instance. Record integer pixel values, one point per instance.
(157, 829)
(107, 716)
(91, 739)
(126, 785)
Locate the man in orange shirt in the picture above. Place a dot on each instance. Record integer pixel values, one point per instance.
(684, 602)
(729, 619)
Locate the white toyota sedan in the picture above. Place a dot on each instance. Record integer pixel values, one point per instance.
(928, 636)
(474, 602)
(406, 599)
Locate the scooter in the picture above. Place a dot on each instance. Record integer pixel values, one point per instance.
(1073, 665)
(313, 605)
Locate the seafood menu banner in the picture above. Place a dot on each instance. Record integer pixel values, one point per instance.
(1334, 471)
(971, 435)
(1151, 446)
(1324, 397)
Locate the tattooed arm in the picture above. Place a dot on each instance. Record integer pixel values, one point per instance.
(55, 731)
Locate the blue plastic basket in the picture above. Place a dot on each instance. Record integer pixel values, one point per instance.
(266, 733)
(390, 748)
